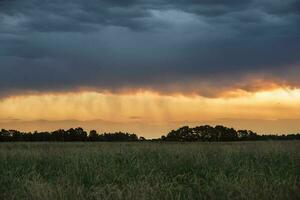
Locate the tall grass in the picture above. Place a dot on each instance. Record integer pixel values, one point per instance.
(250, 170)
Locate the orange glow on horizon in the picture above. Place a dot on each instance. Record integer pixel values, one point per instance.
(151, 108)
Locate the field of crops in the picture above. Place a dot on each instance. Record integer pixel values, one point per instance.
(145, 170)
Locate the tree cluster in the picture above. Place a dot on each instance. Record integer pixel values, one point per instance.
(71, 135)
(220, 133)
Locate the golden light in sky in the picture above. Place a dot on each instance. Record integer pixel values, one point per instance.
(151, 114)
(148, 67)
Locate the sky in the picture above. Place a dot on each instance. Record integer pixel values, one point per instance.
(150, 66)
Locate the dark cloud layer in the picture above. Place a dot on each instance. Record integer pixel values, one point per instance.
(199, 46)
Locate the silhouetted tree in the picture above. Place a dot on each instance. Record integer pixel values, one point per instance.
(93, 136)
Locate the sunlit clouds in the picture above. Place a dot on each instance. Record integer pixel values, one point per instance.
(146, 109)
(150, 66)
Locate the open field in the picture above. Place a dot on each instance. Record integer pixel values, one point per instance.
(144, 170)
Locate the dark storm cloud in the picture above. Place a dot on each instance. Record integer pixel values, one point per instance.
(178, 46)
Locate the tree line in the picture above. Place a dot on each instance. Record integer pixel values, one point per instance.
(220, 133)
(71, 135)
(184, 134)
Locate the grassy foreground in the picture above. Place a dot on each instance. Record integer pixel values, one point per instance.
(250, 170)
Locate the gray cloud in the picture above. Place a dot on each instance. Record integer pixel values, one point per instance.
(204, 47)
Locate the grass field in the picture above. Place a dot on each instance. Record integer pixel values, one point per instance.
(248, 170)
